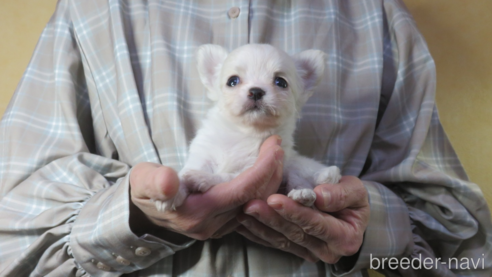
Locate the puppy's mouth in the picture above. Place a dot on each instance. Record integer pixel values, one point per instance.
(259, 114)
(255, 107)
(258, 108)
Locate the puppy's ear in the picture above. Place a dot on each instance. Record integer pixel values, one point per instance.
(209, 62)
(310, 65)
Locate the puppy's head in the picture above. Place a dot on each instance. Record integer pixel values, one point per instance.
(258, 85)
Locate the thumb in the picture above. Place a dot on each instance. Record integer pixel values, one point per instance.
(350, 192)
(257, 182)
(153, 181)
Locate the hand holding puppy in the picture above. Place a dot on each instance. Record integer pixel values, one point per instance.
(208, 214)
(257, 90)
(336, 230)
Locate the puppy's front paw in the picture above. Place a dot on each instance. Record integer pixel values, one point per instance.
(328, 175)
(171, 204)
(163, 206)
(305, 197)
(197, 180)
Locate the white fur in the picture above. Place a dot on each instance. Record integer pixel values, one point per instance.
(234, 129)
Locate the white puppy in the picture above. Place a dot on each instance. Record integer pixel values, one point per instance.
(258, 91)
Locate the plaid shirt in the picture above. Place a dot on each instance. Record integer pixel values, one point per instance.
(113, 83)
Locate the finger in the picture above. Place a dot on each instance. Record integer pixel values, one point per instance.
(314, 223)
(260, 233)
(247, 234)
(339, 237)
(197, 221)
(269, 217)
(350, 192)
(259, 181)
(226, 229)
(153, 181)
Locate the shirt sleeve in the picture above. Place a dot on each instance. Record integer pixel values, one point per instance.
(64, 206)
(427, 219)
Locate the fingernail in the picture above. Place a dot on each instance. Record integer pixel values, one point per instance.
(279, 155)
(251, 213)
(279, 171)
(326, 196)
(279, 140)
(243, 220)
(246, 222)
(278, 206)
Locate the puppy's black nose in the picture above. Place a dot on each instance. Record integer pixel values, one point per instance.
(256, 93)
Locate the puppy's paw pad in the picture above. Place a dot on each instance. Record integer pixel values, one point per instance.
(328, 175)
(305, 197)
(197, 180)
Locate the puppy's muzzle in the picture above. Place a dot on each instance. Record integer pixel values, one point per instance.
(256, 93)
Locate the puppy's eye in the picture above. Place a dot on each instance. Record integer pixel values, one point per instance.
(280, 82)
(232, 81)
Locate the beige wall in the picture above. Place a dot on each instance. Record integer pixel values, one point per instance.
(459, 35)
(21, 24)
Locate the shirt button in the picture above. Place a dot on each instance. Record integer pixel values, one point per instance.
(233, 12)
(142, 251)
(122, 261)
(103, 266)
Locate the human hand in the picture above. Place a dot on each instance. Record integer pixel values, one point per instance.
(336, 230)
(208, 214)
